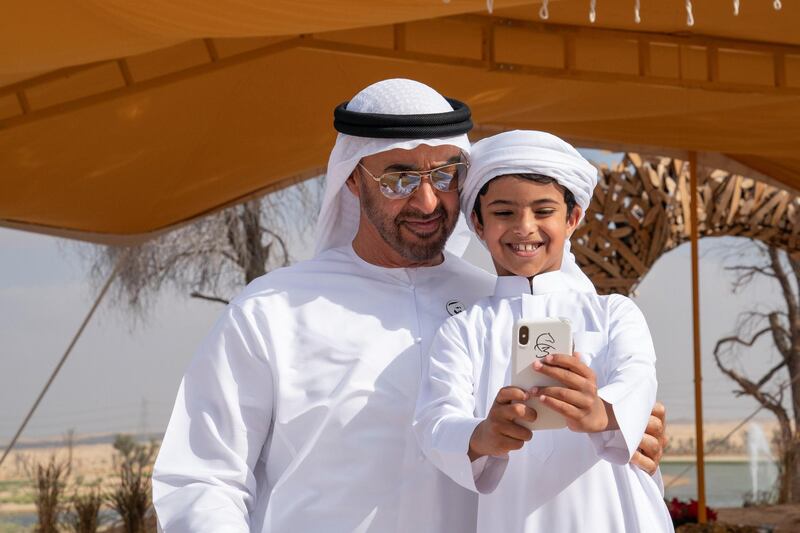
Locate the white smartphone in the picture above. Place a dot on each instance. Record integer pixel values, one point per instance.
(535, 339)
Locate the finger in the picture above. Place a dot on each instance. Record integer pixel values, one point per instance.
(507, 395)
(570, 362)
(655, 427)
(530, 415)
(568, 378)
(644, 463)
(651, 447)
(513, 431)
(575, 398)
(515, 411)
(660, 412)
(510, 444)
(567, 410)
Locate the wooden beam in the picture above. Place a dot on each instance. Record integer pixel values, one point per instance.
(570, 34)
(399, 37)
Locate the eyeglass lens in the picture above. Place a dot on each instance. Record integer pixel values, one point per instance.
(401, 184)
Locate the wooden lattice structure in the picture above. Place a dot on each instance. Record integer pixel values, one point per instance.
(640, 210)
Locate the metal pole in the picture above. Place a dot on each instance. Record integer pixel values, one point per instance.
(698, 378)
(75, 338)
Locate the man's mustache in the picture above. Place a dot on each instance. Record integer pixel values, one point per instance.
(419, 216)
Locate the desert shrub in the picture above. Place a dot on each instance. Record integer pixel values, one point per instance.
(84, 515)
(131, 498)
(49, 482)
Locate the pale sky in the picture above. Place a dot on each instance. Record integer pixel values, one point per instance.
(119, 379)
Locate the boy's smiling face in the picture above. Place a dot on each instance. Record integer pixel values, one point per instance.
(524, 225)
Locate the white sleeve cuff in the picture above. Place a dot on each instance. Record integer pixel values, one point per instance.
(659, 481)
(452, 456)
(491, 472)
(610, 446)
(477, 466)
(629, 405)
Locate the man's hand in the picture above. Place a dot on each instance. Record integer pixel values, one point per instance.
(651, 449)
(499, 433)
(577, 400)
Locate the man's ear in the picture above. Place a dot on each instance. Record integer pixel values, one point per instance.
(477, 224)
(352, 185)
(574, 218)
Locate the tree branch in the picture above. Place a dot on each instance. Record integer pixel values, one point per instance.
(209, 298)
(771, 373)
(786, 286)
(780, 337)
(280, 240)
(748, 387)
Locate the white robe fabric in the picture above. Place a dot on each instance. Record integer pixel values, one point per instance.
(295, 414)
(560, 480)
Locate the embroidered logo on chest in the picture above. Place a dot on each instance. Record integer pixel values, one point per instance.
(454, 307)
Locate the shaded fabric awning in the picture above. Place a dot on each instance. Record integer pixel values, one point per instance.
(120, 119)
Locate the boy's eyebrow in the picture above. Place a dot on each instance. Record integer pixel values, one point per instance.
(501, 201)
(399, 167)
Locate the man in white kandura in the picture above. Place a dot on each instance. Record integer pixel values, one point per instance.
(295, 414)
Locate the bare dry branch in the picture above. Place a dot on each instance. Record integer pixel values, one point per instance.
(213, 258)
(210, 298)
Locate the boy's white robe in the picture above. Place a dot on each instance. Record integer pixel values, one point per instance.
(560, 480)
(295, 414)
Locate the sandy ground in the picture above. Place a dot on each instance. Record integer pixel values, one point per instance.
(784, 518)
(681, 431)
(92, 465)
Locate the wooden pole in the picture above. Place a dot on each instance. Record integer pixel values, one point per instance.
(698, 378)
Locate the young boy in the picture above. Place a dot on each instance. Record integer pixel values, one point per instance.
(524, 195)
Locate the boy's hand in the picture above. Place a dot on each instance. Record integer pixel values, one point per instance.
(499, 433)
(577, 400)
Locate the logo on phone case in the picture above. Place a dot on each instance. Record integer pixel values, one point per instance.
(454, 307)
(544, 345)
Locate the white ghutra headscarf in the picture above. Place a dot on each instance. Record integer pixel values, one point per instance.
(532, 152)
(339, 215)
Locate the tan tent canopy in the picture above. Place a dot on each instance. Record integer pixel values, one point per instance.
(118, 118)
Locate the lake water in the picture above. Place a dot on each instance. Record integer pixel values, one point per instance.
(727, 483)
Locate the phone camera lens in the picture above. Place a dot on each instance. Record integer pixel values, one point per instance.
(523, 335)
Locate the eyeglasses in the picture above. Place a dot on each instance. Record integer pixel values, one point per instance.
(398, 185)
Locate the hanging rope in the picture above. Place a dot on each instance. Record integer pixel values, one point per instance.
(777, 5)
(689, 14)
(489, 6)
(592, 11)
(735, 8)
(544, 11)
(120, 262)
(637, 12)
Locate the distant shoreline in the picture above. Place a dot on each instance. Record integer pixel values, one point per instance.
(713, 459)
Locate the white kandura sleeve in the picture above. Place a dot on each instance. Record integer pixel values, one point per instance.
(631, 385)
(445, 416)
(203, 478)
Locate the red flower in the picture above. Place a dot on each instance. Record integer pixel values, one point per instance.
(686, 512)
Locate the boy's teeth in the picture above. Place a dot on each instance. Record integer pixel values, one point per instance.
(525, 247)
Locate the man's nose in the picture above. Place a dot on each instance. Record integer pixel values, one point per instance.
(424, 198)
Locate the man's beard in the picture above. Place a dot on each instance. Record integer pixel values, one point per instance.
(425, 247)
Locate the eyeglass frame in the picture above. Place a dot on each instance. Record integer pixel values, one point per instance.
(422, 174)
